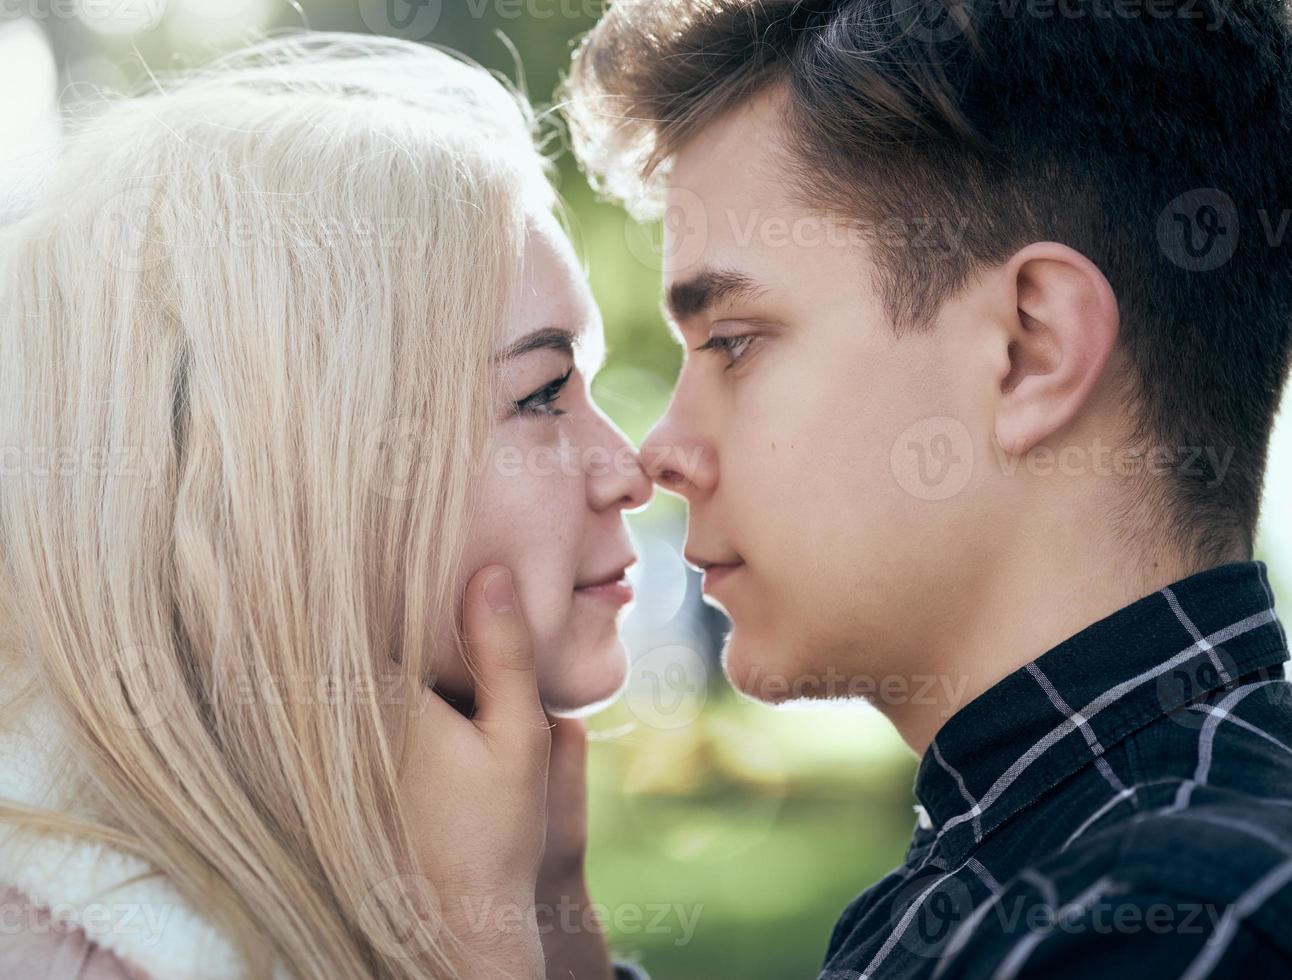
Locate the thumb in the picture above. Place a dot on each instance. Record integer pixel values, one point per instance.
(567, 767)
(498, 642)
(568, 756)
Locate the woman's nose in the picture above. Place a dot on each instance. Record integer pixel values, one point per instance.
(621, 481)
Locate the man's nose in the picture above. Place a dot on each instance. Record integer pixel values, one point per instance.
(677, 459)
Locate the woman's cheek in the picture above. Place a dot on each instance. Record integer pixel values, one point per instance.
(533, 517)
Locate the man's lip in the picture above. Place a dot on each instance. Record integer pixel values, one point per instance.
(713, 574)
(704, 564)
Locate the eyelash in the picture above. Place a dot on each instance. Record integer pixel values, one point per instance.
(539, 402)
(733, 347)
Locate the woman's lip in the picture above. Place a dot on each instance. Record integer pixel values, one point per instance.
(609, 579)
(718, 573)
(618, 592)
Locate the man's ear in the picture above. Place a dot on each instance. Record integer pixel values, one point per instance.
(1060, 337)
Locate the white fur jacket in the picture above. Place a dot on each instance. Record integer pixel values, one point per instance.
(68, 910)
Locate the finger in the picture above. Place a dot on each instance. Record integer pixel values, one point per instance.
(507, 701)
(436, 713)
(566, 770)
(567, 821)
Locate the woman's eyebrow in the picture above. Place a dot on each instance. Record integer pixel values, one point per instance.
(547, 338)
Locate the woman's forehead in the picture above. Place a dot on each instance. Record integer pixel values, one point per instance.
(553, 293)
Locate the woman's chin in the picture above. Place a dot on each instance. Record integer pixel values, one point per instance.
(587, 685)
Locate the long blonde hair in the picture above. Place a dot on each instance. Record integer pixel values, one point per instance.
(242, 301)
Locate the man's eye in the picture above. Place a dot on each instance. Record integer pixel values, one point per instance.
(541, 401)
(735, 348)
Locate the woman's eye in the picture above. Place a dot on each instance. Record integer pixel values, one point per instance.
(541, 401)
(735, 348)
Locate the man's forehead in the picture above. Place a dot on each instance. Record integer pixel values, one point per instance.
(724, 187)
(745, 142)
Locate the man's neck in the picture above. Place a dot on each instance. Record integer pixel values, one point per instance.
(1029, 602)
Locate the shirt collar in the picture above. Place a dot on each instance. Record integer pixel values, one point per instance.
(1056, 714)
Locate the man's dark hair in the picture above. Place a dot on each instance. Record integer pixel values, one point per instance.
(1154, 137)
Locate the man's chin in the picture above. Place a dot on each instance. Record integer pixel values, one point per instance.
(759, 670)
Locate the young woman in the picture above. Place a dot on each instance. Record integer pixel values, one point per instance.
(288, 350)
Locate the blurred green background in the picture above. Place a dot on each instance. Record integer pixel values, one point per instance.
(726, 835)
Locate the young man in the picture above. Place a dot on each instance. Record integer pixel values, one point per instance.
(987, 321)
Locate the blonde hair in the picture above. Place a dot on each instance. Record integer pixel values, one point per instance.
(241, 300)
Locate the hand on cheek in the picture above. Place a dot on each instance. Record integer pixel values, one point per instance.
(474, 791)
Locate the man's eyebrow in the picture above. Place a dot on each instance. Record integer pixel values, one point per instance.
(548, 338)
(707, 288)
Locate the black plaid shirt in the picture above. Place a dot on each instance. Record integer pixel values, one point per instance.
(1119, 807)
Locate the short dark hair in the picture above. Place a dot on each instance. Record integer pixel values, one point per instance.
(1111, 130)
